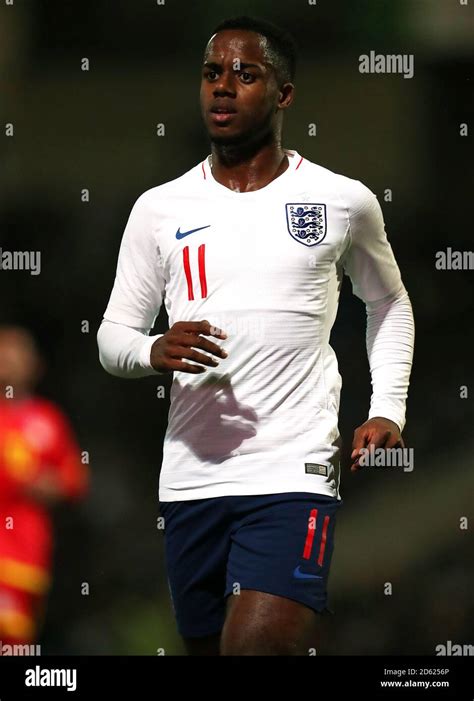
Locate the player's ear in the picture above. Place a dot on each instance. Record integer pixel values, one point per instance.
(286, 95)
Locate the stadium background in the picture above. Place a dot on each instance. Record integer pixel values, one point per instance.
(97, 130)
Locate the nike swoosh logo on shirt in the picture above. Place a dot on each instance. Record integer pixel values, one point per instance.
(298, 574)
(182, 234)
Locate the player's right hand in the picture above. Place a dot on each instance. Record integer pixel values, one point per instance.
(181, 341)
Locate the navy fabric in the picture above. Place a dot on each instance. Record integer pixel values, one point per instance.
(278, 543)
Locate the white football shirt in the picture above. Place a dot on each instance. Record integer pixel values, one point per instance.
(266, 267)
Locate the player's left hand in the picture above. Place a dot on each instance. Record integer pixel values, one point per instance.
(379, 432)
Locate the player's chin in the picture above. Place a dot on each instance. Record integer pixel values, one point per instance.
(226, 136)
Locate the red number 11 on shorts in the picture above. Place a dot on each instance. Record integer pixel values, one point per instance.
(308, 546)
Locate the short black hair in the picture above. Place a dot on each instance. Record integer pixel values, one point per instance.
(282, 46)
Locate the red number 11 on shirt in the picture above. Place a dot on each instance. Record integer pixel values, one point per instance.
(201, 268)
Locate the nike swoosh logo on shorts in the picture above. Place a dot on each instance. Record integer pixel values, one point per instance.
(298, 574)
(182, 234)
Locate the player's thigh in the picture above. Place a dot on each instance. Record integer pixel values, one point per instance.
(258, 623)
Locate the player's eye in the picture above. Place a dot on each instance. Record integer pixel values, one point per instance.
(210, 75)
(247, 77)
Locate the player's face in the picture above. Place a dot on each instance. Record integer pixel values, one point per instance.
(239, 89)
(19, 365)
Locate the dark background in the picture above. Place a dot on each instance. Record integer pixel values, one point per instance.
(97, 130)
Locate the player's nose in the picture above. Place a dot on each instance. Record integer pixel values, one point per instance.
(224, 85)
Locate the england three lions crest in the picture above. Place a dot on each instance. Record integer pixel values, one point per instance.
(306, 222)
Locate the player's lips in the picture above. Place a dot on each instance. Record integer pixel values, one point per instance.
(221, 114)
(222, 117)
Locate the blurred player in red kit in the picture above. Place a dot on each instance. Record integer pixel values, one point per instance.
(40, 466)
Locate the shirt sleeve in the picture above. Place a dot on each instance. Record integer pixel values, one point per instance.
(369, 259)
(370, 263)
(125, 351)
(390, 342)
(139, 285)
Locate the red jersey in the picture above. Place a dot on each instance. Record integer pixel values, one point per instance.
(35, 439)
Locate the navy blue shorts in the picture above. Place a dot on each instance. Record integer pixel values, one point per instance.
(276, 543)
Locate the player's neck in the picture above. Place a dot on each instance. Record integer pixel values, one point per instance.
(245, 169)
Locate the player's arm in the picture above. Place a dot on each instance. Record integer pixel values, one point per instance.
(376, 279)
(125, 353)
(125, 347)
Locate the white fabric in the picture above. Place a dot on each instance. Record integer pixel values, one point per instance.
(125, 351)
(254, 424)
(390, 342)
